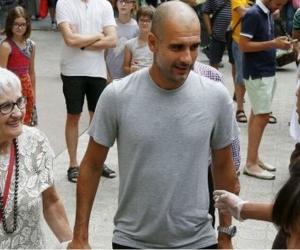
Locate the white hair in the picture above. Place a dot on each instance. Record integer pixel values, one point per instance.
(8, 81)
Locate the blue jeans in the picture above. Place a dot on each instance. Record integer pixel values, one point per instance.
(238, 58)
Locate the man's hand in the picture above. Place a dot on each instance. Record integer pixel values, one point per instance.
(283, 43)
(229, 203)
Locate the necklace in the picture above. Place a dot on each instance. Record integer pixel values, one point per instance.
(15, 150)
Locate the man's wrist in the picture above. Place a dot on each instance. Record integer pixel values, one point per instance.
(65, 244)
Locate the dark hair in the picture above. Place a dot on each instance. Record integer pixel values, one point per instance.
(12, 15)
(286, 209)
(145, 11)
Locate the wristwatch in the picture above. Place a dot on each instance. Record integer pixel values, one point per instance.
(231, 230)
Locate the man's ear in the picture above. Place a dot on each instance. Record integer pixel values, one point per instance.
(152, 43)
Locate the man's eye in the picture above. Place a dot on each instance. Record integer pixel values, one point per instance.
(176, 47)
(195, 47)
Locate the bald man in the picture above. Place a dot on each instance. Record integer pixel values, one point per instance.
(164, 118)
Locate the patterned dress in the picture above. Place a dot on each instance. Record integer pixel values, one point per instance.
(18, 62)
(35, 176)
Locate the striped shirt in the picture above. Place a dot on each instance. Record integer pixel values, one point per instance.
(223, 18)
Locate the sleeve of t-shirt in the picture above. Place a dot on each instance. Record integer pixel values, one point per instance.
(206, 8)
(62, 12)
(129, 44)
(225, 128)
(108, 15)
(104, 126)
(249, 24)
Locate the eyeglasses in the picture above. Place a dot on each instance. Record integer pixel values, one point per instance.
(7, 107)
(125, 2)
(145, 21)
(20, 25)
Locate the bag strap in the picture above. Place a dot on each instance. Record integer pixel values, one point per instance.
(236, 25)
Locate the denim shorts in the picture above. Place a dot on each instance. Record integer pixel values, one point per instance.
(261, 92)
(238, 58)
(75, 88)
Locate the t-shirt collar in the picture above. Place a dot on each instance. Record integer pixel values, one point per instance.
(263, 7)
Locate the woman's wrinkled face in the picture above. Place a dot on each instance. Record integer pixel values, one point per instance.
(12, 122)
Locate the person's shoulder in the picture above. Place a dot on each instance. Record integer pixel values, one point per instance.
(103, 3)
(29, 131)
(297, 14)
(127, 83)
(208, 71)
(6, 44)
(131, 41)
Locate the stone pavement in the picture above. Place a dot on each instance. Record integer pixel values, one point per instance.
(276, 147)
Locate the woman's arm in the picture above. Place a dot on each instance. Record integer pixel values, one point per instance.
(55, 215)
(5, 50)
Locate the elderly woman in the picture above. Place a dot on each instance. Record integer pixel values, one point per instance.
(26, 176)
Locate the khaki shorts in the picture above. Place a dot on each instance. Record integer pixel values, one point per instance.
(261, 92)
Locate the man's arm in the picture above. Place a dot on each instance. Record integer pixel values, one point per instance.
(207, 23)
(87, 185)
(108, 41)
(247, 45)
(224, 176)
(73, 39)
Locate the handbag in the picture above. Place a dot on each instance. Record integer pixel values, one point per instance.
(43, 10)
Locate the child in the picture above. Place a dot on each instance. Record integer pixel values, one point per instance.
(137, 53)
(127, 28)
(17, 54)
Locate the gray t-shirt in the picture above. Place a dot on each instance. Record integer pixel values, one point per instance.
(163, 138)
(115, 56)
(140, 53)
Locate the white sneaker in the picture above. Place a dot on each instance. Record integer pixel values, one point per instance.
(54, 26)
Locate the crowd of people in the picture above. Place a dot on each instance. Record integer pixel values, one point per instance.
(136, 67)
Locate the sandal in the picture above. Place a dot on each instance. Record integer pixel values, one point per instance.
(108, 173)
(73, 174)
(272, 119)
(240, 116)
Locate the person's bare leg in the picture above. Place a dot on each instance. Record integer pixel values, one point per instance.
(52, 14)
(240, 91)
(257, 124)
(71, 134)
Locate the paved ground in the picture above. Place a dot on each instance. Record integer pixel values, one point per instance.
(276, 147)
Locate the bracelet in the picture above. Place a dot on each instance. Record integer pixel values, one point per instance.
(82, 48)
